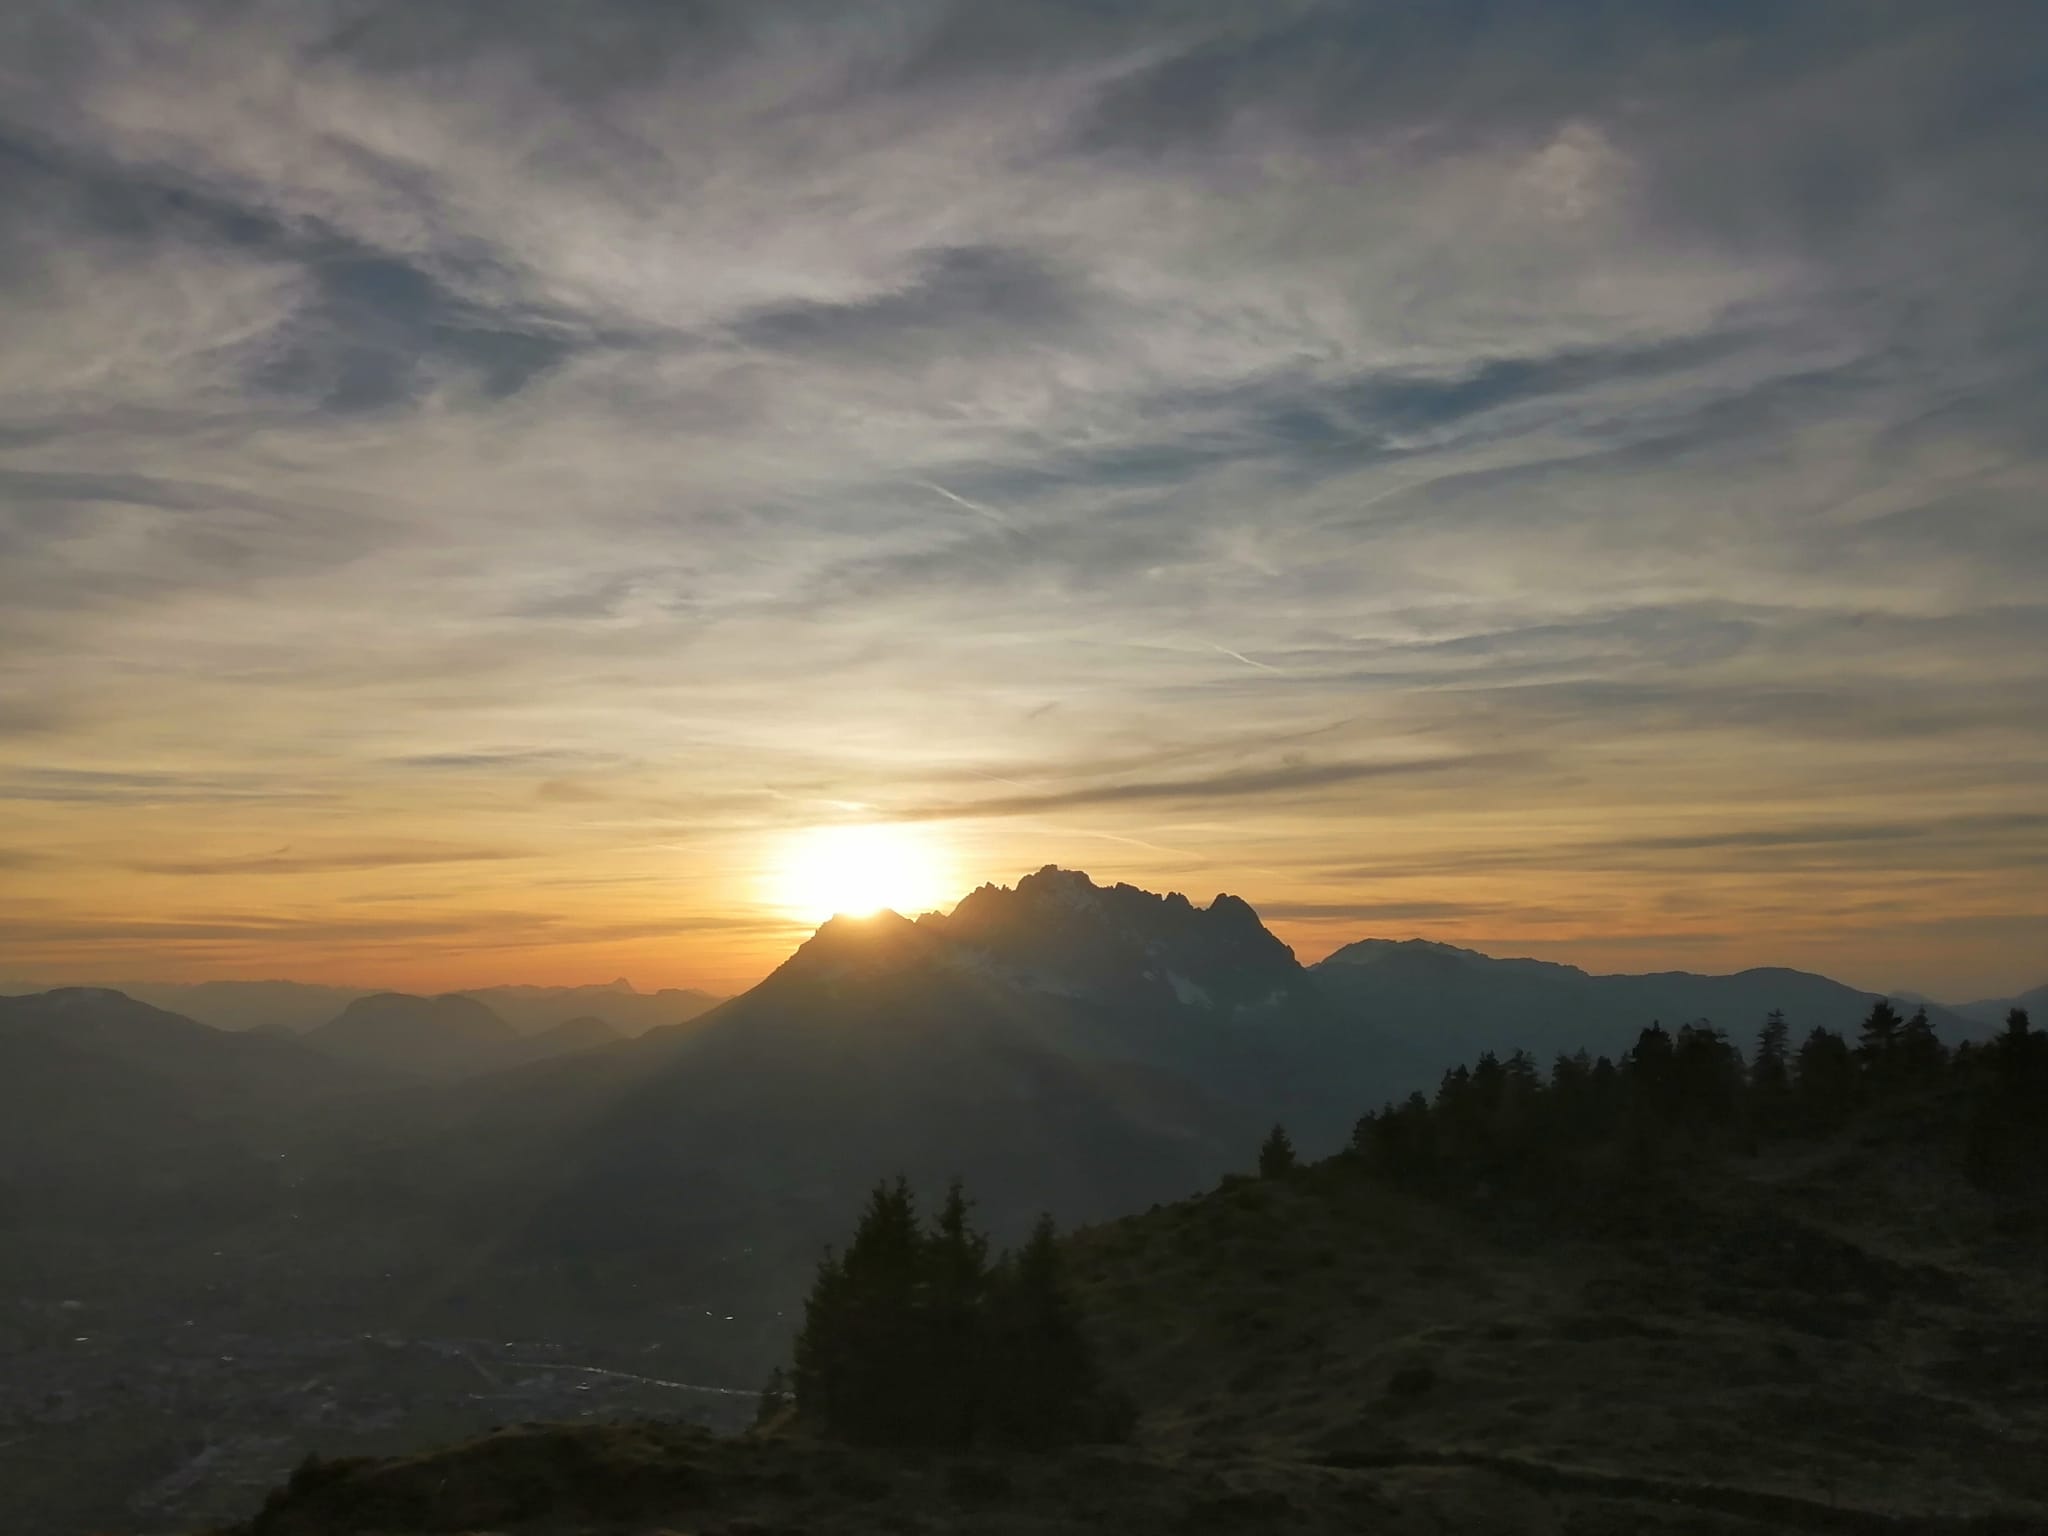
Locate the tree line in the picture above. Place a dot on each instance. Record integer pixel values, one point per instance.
(915, 1336)
(1507, 1121)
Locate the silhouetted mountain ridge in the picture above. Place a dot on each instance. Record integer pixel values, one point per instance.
(1989, 1012)
(449, 1036)
(1440, 1003)
(297, 1007)
(107, 1105)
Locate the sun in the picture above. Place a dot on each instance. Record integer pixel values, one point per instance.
(825, 872)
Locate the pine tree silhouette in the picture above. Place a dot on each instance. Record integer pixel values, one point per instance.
(1276, 1155)
(912, 1338)
(1039, 1354)
(1877, 1047)
(957, 1261)
(2007, 1141)
(1921, 1053)
(1826, 1084)
(858, 1355)
(1770, 1075)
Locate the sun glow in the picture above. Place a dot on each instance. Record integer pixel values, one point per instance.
(828, 871)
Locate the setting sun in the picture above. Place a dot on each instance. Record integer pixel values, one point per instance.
(827, 871)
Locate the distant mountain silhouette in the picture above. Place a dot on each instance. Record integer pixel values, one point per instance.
(1440, 1004)
(289, 1007)
(450, 1036)
(1990, 1012)
(566, 1038)
(533, 1009)
(108, 1104)
(112, 1026)
(295, 1007)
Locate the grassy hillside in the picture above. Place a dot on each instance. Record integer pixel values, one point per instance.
(1847, 1324)
(1838, 1335)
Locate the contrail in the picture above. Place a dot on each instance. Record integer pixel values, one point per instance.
(1135, 842)
(1240, 656)
(958, 500)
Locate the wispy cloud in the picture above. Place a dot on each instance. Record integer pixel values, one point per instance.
(1282, 780)
(286, 861)
(460, 424)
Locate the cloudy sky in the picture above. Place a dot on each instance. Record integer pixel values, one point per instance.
(475, 479)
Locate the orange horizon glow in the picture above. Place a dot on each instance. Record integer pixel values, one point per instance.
(801, 876)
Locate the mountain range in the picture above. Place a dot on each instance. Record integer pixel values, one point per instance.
(1453, 1003)
(1085, 1048)
(1088, 1050)
(297, 1007)
(453, 1035)
(1991, 1011)
(1123, 1044)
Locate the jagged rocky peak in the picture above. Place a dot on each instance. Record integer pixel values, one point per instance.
(1070, 892)
(1058, 923)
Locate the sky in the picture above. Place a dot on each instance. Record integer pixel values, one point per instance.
(477, 480)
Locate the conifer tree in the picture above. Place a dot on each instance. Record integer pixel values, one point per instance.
(859, 1355)
(1365, 1131)
(957, 1261)
(1770, 1075)
(1517, 1143)
(820, 1377)
(1043, 1371)
(1399, 1141)
(911, 1338)
(1877, 1047)
(1921, 1053)
(1569, 1121)
(1706, 1076)
(1605, 1097)
(1826, 1084)
(1276, 1154)
(2007, 1143)
(1648, 1096)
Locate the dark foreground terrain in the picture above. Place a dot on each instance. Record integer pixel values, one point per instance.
(657, 1480)
(1837, 1328)
(1830, 1335)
